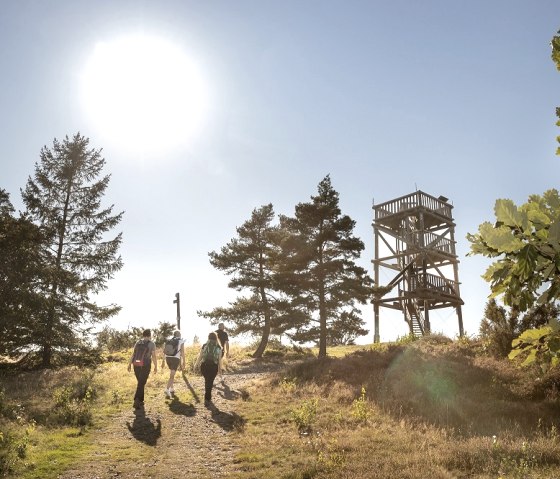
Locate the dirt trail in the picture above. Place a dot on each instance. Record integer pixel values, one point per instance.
(179, 438)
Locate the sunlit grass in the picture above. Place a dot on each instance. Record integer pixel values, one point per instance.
(430, 408)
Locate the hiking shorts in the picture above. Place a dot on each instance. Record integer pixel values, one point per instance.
(172, 362)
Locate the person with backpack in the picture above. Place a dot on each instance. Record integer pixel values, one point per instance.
(209, 360)
(174, 356)
(143, 355)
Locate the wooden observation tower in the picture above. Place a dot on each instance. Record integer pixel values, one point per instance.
(414, 242)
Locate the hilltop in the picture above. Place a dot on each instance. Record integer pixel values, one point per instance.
(432, 407)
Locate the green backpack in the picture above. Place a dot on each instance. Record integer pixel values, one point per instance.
(211, 352)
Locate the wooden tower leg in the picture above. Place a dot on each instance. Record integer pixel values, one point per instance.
(460, 318)
(376, 338)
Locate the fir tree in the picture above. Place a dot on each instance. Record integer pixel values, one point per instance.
(20, 272)
(64, 200)
(319, 272)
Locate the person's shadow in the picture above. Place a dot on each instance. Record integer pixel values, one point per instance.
(228, 421)
(227, 392)
(181, 408)
(189, 386)
(144, 429)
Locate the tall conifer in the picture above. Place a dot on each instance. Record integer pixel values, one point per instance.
(64, 200)
(319, 271)
(20, 272)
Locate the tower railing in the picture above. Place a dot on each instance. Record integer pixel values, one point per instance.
(410, 201)
(432, 282)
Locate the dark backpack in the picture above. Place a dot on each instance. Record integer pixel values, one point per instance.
(171, 347)
(141, 354)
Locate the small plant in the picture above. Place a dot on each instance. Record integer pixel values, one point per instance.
(516, 464)
(72, 404)
(7, 456)
(13, 448)
(409, 338)
(304, 416)
(360, 408)
(116, 398)
(288, 386)
(21, 445)
(331, 456)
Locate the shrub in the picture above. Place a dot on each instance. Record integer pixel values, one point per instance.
(72, 404)
(360, 407)
(304, 415)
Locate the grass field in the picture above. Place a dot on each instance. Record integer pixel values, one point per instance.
(431, 408)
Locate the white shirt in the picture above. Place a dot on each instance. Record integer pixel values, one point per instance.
(178, 355)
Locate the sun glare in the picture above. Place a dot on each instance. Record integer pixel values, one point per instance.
(144, 94)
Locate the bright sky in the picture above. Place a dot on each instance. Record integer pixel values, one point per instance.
(261, 101)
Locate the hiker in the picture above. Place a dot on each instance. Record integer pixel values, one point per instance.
(209, 360)
(223, 339)
(174, 356)
(143, 355)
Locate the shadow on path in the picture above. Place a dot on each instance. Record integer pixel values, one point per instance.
(189, 385)
(144, 429)
(181, 408)
(226, 392)
(228, 421)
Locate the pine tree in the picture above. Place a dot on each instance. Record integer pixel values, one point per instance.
(249, 260)
(20, 272)
(319, 271)
(64, 200)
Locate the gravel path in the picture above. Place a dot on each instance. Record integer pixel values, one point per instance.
(178, 438)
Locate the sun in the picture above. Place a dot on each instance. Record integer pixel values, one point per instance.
(144, 94)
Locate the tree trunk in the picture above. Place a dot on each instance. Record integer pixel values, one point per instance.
(322, 323)
(266, 327)
(46, 355)
(264, 340)
(47, 337)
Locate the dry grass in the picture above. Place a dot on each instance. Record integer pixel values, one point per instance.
(432, 408)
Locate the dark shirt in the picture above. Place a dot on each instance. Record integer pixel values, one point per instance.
(222, 337)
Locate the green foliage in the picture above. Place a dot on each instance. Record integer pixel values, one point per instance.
(526, 241)
(163, 332)
(64, 200)
(407, 339)
(250, 261)
(541, 346)
(539, 315)
(304, 415)
(288, 386)
(360, 408)
(73, 403)
(319, 271)
(8, 452)
(113, 340)
(498, 328)
(20, 270)
(15, 440)
(330, 456)
(555, 44)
